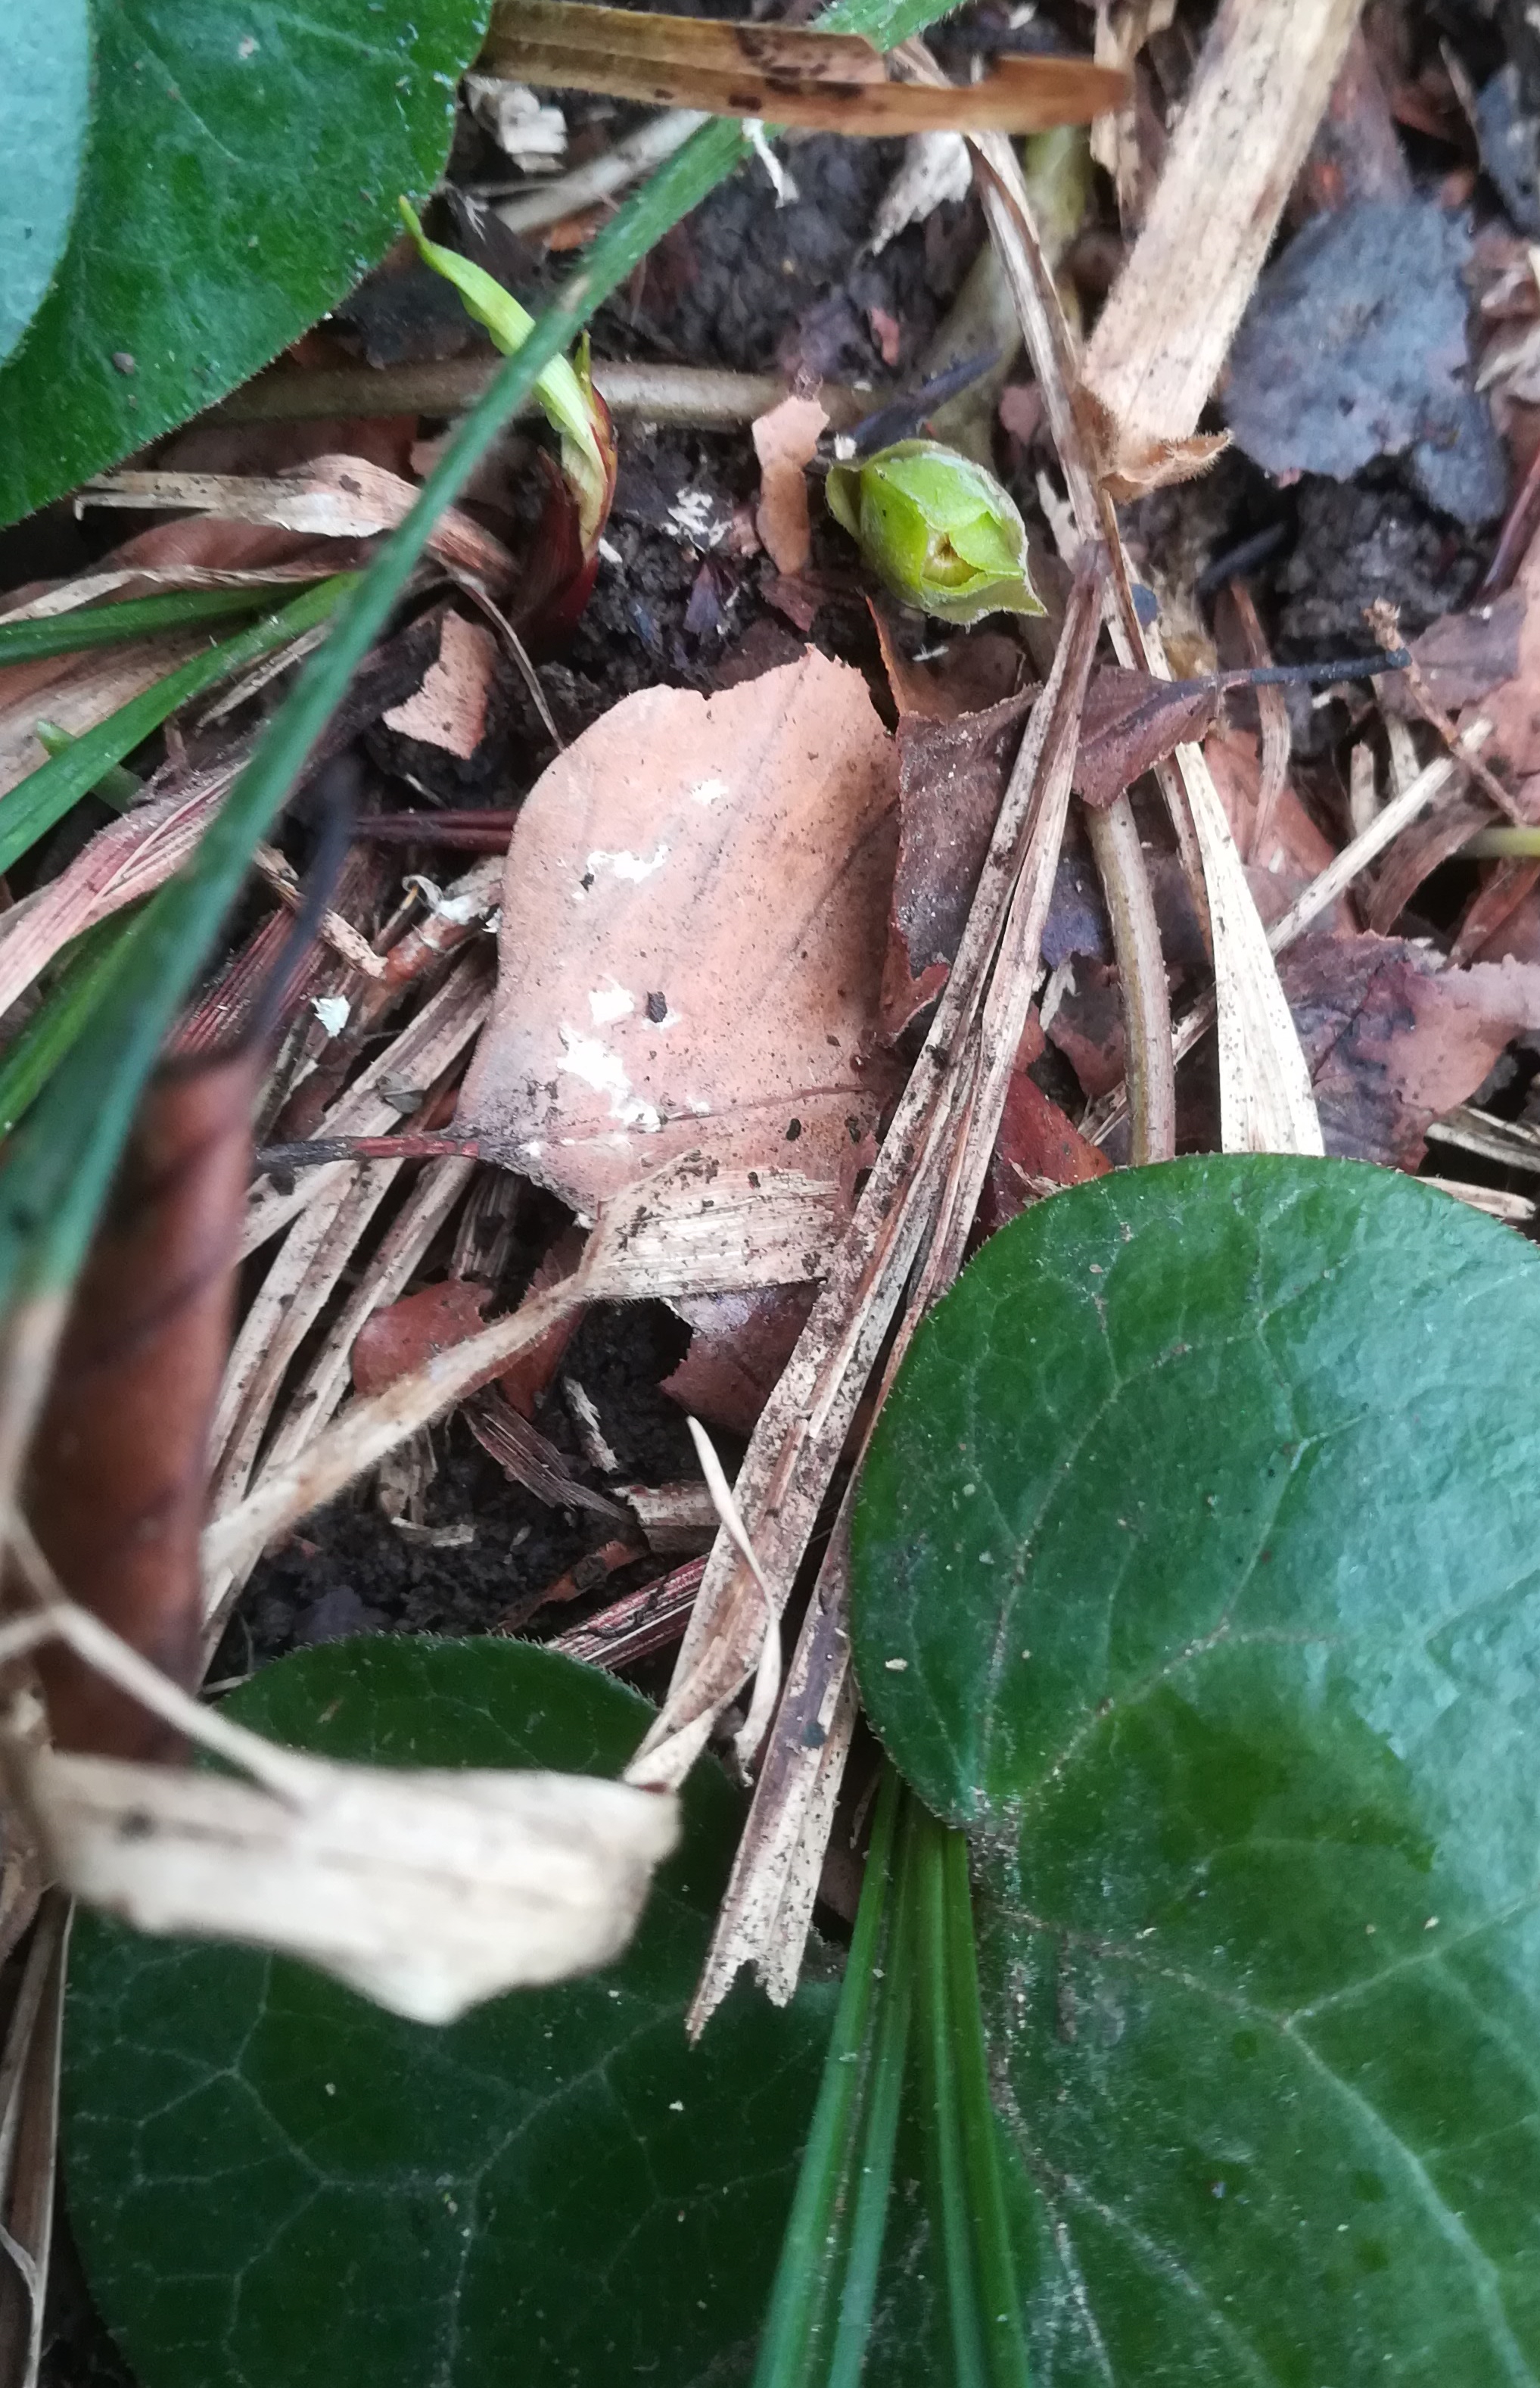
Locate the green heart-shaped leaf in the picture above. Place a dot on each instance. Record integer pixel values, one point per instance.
(242, 174)
(278, 2185)
(1197, 1576)
(45, 105)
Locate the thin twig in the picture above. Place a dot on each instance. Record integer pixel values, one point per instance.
(699, 398)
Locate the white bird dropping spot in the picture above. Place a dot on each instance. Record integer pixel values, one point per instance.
(610, 1003)
(708, 792)
(589, 1058)
(635, 867)
(331, 1010)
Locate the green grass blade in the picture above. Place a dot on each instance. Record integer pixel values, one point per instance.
(58, 1023)
(884, 2099)
(794, 2344)
(117, 787)
(940, 2090)
(45, 796)
(1003, 2330)
(135, 617)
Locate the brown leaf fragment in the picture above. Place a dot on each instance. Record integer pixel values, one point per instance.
(115, 1487)
(450, 709)
(532, 1370)
(976, 670)
(739, 1345)
(786, 440)
(692, 940)
(1039, 1147)
(1131, 722)
(1393, 1038)
(1463, 657)
(1291, 852)
(407, 1334)
(951, 775)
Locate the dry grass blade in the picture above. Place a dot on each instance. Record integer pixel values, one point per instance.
(427, 1890)
(144, 579)
(687, 1232)
(768, 1904)
(432, 1040)
(28, 2112)
(914, 1209)
(335, 497)
(829, 82)
(1440, 780)
(1266, 1102)
(128, 858)
(324, 1383)
(1260, 87)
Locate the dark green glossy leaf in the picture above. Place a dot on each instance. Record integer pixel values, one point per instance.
(276, 2185)
(1197, 1575)
(242, 174)
(45, 109)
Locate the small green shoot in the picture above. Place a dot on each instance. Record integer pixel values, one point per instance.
(938, 530)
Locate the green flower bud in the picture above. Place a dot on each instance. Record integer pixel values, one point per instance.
(939, 530)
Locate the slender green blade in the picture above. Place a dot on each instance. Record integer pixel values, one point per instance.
(55, 1026)
(877, 2146)
(45, 796)
(104, 626)
(804, 2314)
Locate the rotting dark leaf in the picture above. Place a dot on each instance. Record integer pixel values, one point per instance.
(1393, 1038)
(1131, 722)
(1354, 347)
(951, 776)
(115, 1489)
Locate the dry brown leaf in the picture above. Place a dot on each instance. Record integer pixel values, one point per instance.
(786, 440)
(1393, 1038)
(978, 669)
(739, 1344)
(1039, 1145)
(331, 497)
(450, 709)
(116, 1484)
(408, 1333)
(429, 1891)
(692, 939)
(951, 775)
